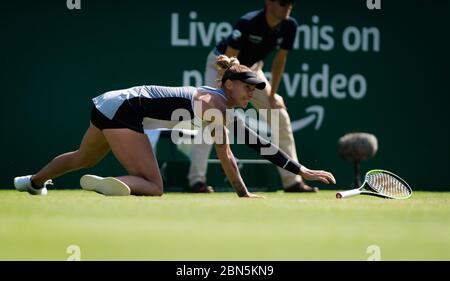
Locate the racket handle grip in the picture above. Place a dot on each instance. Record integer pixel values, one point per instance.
(348, 193)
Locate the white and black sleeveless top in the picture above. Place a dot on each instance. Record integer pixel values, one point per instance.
(152, 107)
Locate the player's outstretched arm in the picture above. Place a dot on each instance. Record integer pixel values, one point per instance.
(275, 155)
(231, 169)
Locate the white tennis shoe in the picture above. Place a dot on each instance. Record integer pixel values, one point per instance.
(107, 186)
(24, 184)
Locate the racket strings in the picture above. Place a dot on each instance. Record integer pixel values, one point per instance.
(388, 185)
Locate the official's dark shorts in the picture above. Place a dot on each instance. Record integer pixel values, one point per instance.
(125, 118)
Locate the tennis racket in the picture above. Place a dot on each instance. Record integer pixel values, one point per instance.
(380, 183)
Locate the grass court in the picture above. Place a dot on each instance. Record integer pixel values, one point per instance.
(221, 226)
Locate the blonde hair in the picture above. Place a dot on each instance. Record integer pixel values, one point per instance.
(229, 65)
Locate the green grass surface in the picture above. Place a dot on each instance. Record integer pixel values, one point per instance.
(180, 226)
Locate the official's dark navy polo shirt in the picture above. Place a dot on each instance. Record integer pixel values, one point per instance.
(253, 37)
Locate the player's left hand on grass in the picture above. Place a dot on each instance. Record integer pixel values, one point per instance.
(319, 175)
(252, 195)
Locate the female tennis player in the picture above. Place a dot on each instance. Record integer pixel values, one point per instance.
(118, 120)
